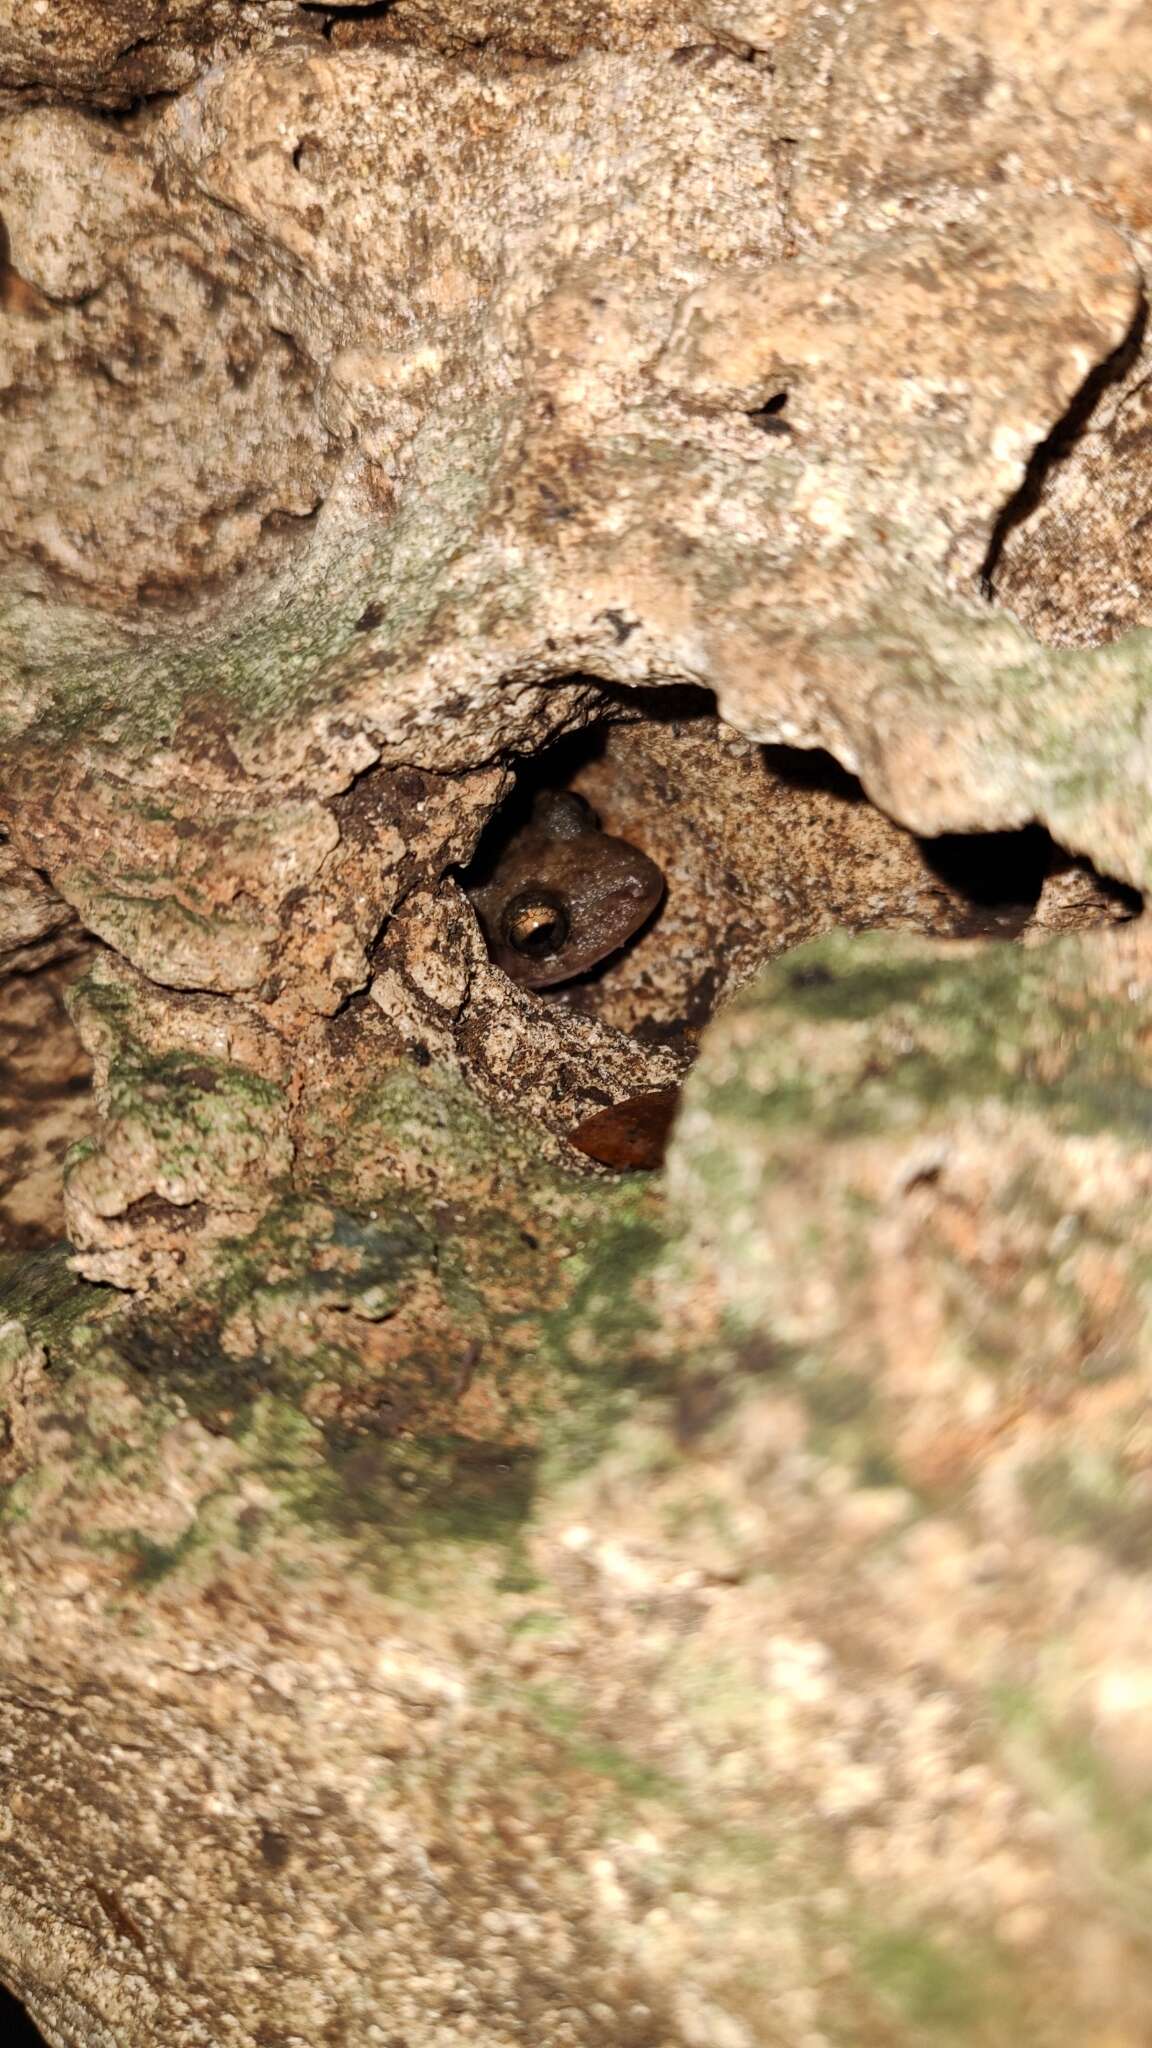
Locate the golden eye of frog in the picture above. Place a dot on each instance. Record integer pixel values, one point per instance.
(564, 894)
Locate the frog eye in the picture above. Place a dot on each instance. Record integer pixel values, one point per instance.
(536, 923)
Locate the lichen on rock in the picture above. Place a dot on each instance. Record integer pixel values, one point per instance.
(453, 1591)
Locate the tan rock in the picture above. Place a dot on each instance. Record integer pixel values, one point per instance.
(450, 1593)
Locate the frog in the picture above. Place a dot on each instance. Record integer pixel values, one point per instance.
(564, 894)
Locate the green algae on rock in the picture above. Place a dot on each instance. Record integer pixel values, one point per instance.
(683, 1615)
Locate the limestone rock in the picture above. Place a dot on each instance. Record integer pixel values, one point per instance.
(452, 1593)
(116, 52)
(45, 1101)
(571, 1574)
(36, 925)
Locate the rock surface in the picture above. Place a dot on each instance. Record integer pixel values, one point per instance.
(454, 1594)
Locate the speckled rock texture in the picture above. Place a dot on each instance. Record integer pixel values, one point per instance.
(456, 1596)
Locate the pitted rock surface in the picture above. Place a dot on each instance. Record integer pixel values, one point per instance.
(446, 1585)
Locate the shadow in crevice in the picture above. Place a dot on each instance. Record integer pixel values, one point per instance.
(16, 2029)
(369, 10)
(557, 765)
(996, 877)
(999, 874)
(815, 769)
(1057, 445)
(17, 295)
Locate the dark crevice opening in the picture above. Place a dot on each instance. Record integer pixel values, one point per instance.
(1058, 445)
(813, 768)
(131, 50)
(632, 704)
(1000, 873)
(284, 519)
(708, 54)
(993, 880)
(767, 416)
(141, 103)
(15, 2026)
(557, 765)
(729, 908)
(374, 10)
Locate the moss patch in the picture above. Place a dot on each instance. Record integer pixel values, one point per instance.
(943, 1993)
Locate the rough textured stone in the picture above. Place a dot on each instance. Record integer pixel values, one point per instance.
(451, 1594)
(36, 925)
(45, 1104)
(562, 1583)
(115, 53)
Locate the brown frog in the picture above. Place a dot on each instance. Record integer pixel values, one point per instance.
(564, 894)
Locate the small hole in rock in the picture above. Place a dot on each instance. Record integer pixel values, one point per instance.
(1000, 873)
(767, 416)
(373, 10)
(705, 56)
(924, 1177)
